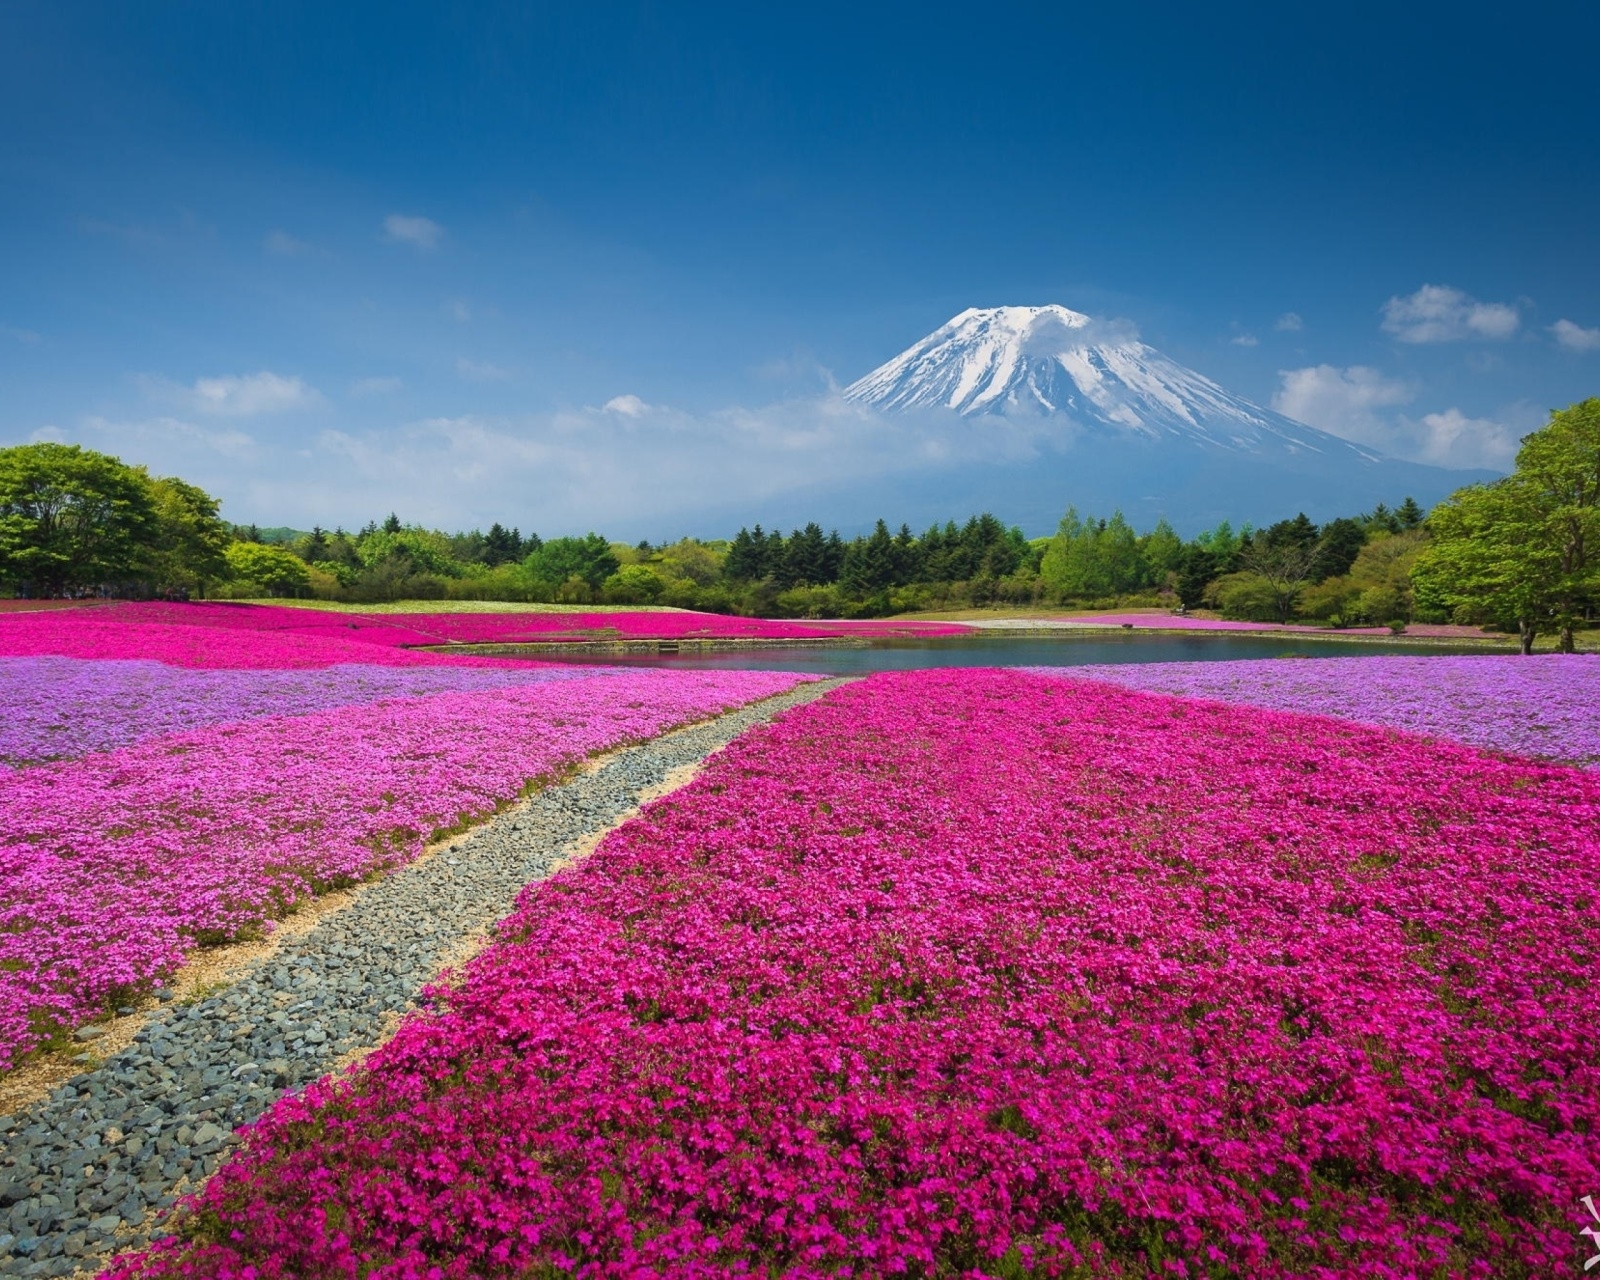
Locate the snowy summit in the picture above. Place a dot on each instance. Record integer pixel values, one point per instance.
(1053, 361)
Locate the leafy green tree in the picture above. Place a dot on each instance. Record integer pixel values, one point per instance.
(1162, 551)
(634, 584)
(1279, 569)
(1409, 514)
(589, 558)
(187, 543)
(1093, 558)
(71, 518)
(1525, 550)
(1247, 596)
(689, 560)
(276, 570)
(408, 552)
(1223, 545)
(1376, 589)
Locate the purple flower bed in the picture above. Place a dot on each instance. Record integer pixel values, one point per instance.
(54, 708)
(1547, 706)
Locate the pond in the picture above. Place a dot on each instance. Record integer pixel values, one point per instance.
(999, 650)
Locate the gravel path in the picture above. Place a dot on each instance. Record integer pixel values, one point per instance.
(91, 1169)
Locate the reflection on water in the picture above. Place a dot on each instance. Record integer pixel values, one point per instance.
(992, 650)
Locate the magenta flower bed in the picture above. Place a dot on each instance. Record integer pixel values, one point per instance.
(980, 973)
(1547, 705)
(60, 708)
(392, 630)
(125, 632)
(113, 867)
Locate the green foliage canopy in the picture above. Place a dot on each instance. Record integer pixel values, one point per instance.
(1525, 551)
(277, 570)
(71, 518)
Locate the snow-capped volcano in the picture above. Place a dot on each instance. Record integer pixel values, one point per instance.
(1053, 361)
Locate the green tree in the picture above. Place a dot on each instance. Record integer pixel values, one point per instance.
(1197, 566)
(408, 552)
(1376, 589)
(1246, 596)
(589, 558)
(1525, 550)
(1162, 551)
(276, 570)
(1092, 558)
(70, 518)
(634, 584)
(1278, 569)
(187, 543)
(1338, 546)
(501, 545)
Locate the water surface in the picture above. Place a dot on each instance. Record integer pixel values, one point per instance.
(1000, 650)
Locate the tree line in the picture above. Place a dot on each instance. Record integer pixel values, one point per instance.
(1522, 554)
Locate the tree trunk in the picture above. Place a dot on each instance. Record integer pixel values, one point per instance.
(1566, 644)
(1526, 633)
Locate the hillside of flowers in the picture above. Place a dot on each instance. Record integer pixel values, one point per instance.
(1546, 706)
(984, 973)
(148, 806)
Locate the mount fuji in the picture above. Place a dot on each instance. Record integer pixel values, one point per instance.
(1050, 407)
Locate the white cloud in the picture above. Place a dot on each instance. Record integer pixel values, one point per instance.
(423, 233)
(1245, 340)
(170, 443)
(375, 386)
(459, 311)
(1439, 313)
(48, 434)
(620, 466)
(1349, 402)
(1451, 439)
(629, 406)
(235, 396)
(283, 244)
(1574, 337)
(1289, 322)
(27, 336)
(480, 371)
(1341, 401)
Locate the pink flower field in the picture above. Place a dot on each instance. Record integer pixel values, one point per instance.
(244, 635)
(982, 973)
(177, 806)
(1547, 705)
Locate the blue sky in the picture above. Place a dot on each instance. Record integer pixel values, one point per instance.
(329, 259)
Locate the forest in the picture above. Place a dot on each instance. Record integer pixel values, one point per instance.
(1522, 554)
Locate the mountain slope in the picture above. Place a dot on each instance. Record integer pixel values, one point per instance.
(1054, 362)
(1025, 410)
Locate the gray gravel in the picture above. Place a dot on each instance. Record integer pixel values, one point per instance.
(92, 1168)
